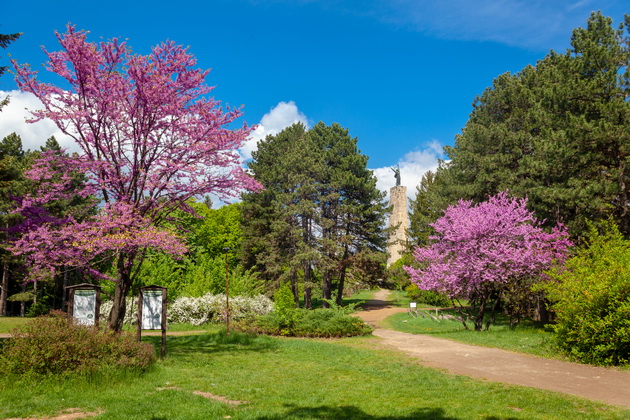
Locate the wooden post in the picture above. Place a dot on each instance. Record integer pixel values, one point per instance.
(139, 329)
(163, 349)
(227, 294)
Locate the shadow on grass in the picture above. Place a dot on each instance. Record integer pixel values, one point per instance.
(351, 412)
(213, 343)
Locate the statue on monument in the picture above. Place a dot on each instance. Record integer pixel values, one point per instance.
(397, 174)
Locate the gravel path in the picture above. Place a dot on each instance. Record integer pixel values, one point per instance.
(596, 383)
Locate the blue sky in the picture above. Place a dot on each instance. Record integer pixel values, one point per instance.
(401, 75)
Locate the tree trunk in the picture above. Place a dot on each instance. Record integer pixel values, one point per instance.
(308, 276)
(326, 287)
(494, 311)
(307, 297)
(123, 284)
(295, 289)
(23, 303)
(342, 276)
(4, 289)
(63, 289)
(341, 285)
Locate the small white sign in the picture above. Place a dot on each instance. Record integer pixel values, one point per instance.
(152, 310)
(412, 304)
(84, 307)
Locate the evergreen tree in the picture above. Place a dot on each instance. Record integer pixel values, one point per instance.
(320, 214)
(558, 133)
(12, 184)
(5, 40)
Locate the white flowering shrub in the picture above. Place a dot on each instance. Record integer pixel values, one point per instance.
(199, 310)
(212, 308)
(131, 311)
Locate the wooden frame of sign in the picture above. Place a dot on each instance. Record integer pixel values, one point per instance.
(153, 317)
(86, 309)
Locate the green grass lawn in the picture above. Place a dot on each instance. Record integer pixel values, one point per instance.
(527, 337)
(8, 323)
(279, 378)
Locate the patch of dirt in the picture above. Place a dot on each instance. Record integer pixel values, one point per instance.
(218, 398)
(606, 385)
(67, 414)
(207, 395)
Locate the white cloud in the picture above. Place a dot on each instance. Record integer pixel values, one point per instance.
(278, 118)
(13, 120)
(412, 166)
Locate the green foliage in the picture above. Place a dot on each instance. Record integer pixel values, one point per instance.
(428, 297)
(195, 276)
(55, 346)
(38, 309)
(287, 379)
(214, 231)
(591, 298)
(322, 322)
(319, 221)
(396, 275)
(556, 132)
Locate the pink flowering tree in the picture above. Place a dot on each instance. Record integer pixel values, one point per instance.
(150, 140)
(486, 253)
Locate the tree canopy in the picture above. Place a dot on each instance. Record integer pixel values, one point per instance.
(320, 216)
(150, 140)
(483, 251)
(557, 132)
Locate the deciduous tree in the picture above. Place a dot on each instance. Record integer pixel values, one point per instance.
(150, 139)
(482, 251)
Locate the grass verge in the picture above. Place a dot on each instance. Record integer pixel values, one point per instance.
(239, 376)
(8, 323)
(527, 337)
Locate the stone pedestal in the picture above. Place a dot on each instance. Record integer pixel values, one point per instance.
(399, 218)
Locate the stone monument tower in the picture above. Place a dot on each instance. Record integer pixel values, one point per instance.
(399, 219)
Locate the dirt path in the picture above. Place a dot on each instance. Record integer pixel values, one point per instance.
(595, 383)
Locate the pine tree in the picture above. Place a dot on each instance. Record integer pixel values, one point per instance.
(558, 133)
(320, 214)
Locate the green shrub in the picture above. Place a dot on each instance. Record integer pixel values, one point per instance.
(55, 345)
(428, 297)
(323, 323)
(591, 299)
(38, 309)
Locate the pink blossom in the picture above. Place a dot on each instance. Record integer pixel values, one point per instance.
(492, 242)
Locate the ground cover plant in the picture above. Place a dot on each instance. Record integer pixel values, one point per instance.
(259, 377)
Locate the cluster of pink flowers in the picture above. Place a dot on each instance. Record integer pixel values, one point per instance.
(495, 241)
(150, 140)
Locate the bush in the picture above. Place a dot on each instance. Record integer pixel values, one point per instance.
(428, 297)
(211, 308)
(322, 323)
(591, 299)
(55, 345)
(201, 310)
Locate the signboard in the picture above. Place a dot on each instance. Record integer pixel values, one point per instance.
(152, 309)
(84, 307)
(412, 304)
